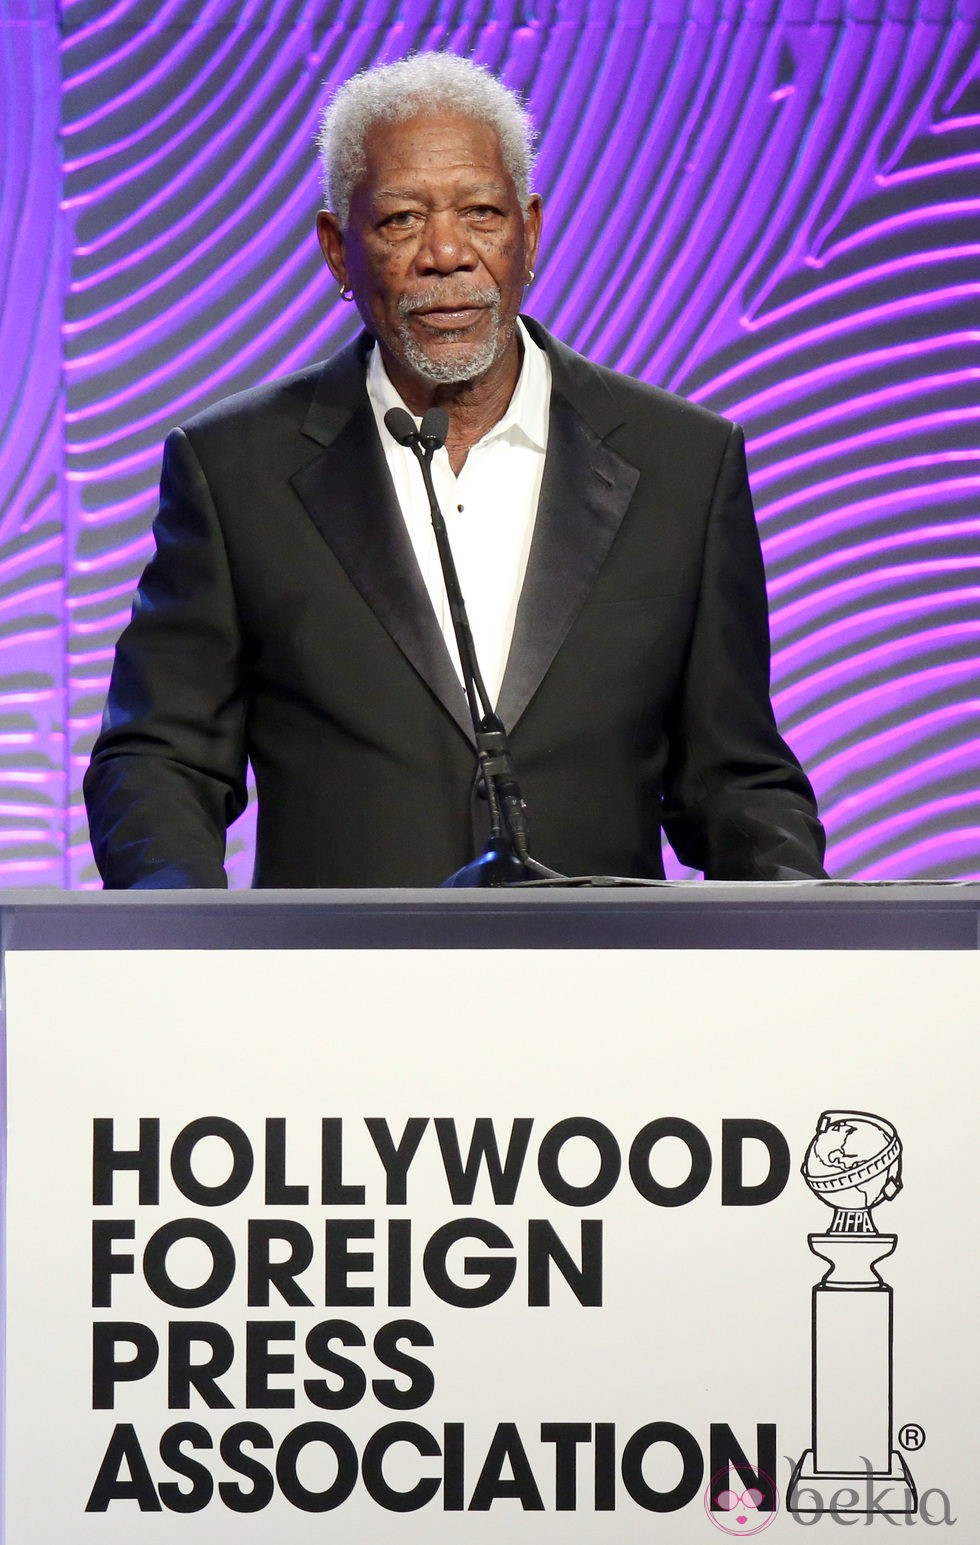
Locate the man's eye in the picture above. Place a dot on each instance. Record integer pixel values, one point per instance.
(483, 212)
(400, 220)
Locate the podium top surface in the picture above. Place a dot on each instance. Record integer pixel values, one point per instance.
(812, 914)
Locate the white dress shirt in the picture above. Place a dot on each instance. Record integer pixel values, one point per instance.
(489, 509)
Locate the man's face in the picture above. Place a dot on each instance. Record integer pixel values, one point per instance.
(437, 250)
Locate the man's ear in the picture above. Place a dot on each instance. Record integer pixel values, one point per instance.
(331, 239)
(532, 229)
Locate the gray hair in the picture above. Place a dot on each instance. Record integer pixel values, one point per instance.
(420, 84)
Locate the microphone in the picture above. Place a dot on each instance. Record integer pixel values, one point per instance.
(434, 429)
(507, 858)
(401, 426)
(431, 435)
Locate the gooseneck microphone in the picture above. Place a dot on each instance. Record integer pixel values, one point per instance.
(507, 858)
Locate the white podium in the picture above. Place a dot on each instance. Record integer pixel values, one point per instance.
(461, 1215)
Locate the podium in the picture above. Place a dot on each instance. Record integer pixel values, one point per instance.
(452, 1213)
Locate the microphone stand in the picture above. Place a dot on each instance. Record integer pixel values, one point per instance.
(506, 860)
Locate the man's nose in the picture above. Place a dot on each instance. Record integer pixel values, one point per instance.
(446, 247)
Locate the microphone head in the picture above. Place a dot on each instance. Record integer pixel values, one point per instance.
(401, 426)
(435, 427)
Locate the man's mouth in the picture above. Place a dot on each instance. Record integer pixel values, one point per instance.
(450, 317)
(449, 314)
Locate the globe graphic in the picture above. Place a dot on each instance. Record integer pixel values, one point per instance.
(853, 1163)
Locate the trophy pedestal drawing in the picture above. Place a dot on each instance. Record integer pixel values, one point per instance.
(814, 1491)
(852, 1450)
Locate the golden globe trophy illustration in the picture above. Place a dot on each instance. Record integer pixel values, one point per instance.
(853, 1164)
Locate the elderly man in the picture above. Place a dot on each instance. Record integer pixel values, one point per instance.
(293, 615)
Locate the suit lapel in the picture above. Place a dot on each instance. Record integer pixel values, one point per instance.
(349, 496)
(585, 493)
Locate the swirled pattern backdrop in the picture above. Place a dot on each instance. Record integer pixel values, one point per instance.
(771, 206)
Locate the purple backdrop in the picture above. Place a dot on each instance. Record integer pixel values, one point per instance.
(771, 208)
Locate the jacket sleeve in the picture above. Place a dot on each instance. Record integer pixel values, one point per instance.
(167, 775)
(737, 804)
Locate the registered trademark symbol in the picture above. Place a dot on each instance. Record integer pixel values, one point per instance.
(912, 1435)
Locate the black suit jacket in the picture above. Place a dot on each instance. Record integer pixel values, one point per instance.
(283, 619)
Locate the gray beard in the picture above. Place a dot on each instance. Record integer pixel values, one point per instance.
(446, 372)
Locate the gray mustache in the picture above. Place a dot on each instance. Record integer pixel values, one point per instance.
(408, 305)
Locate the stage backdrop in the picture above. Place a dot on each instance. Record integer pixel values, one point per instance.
(769, 207)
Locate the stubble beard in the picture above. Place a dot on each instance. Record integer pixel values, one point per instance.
(468, 366)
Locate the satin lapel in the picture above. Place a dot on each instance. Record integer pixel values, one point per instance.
(584, 495)
(349, 496)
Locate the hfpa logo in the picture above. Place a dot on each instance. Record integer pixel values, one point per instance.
(853, 1467)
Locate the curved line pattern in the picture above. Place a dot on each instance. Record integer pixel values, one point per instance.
(33, 783)
(769, 207)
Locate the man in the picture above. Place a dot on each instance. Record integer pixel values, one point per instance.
(292, 615)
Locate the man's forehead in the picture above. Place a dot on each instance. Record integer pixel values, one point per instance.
(397, 152)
